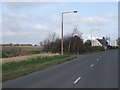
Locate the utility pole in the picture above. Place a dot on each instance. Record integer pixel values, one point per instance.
(62, 29)
(62, 36)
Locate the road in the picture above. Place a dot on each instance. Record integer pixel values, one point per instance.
(99, 70)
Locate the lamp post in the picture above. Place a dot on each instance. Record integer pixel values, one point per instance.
(62, 29)
(91, 34)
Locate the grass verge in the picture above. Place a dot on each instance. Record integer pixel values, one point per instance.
(15, 69)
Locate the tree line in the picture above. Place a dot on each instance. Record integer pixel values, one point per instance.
(73, 43)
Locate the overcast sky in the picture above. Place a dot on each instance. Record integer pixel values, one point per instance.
(32, 22)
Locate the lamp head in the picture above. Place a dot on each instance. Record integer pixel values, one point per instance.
(75, 11)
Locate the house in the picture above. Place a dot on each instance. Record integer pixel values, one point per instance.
(100, 42)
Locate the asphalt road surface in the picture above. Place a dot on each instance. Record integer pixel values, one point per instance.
(99, 70)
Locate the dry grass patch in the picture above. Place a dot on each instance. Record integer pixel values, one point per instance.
(23, 58)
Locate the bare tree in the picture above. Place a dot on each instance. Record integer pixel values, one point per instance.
(52, 36)
(41, 43)
(67, 39)
(76, 32)
(50, 42)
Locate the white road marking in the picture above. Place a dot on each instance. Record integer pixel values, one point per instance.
(97, 59)
(77, 80)
(91, 65)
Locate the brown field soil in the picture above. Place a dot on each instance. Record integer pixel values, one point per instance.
(22, 48)
(19, 54)
(23, 58)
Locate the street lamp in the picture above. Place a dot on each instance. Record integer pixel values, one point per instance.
(91, 34)
(62, 29)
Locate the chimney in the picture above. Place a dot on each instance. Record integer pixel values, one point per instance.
(104, 38)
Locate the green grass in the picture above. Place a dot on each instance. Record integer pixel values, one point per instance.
(16, 69)
(37, 60)
(3, 54)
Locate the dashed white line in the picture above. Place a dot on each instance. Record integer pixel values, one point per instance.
(77, 80)
(97, 59)
(92, 65)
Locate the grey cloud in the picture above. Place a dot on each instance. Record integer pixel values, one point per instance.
(19, 5)
(113, 16)
(72, 19)
(40, 27)
(96, 20)
(10, 15)
(17, 29)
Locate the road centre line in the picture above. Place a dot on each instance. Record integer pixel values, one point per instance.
(77, 80)
(91, 65)
(97, 59)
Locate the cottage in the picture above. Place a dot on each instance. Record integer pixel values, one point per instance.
(100, 42)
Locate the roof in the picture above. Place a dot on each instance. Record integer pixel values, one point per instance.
(103, 42)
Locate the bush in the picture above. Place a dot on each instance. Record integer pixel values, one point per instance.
(72, 45)
(4, 54)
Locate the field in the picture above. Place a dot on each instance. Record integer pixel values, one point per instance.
(16, 61)
(24, 58)
(14, 51)
(22, 48)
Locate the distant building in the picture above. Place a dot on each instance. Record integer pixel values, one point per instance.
(100, 42)
(96, 43)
